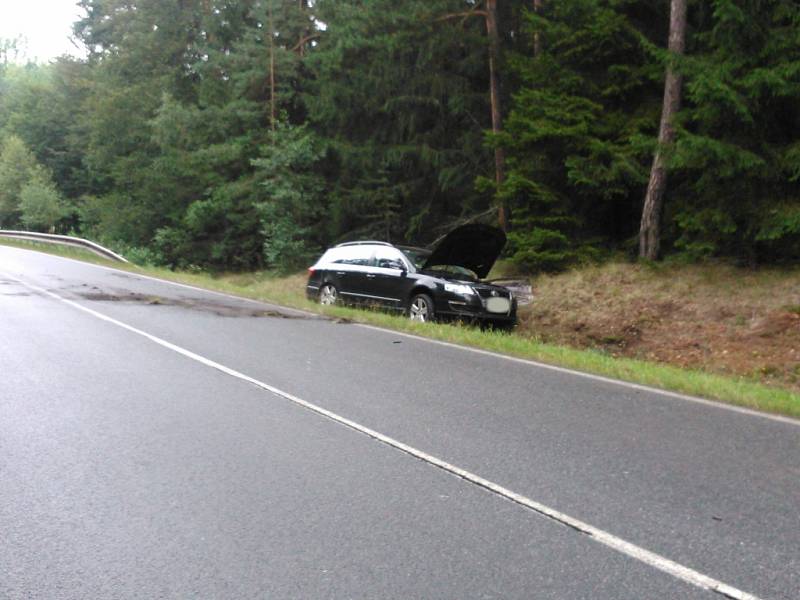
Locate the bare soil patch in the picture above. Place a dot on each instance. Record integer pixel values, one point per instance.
(715, 318)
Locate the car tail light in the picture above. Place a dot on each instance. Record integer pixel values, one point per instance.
(310, 271)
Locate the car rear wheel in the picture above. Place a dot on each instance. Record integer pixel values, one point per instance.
(328, 294)
(421, 308)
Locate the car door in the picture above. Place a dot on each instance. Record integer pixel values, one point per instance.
(389, 279)
(348, 270)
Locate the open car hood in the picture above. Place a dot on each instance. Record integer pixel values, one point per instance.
(474, 247)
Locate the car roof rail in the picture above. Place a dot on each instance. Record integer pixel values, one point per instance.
(364, 243)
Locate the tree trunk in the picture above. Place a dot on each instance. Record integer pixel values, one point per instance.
(272, 112)
(650, 227)
(504, 213)
(301, 44)
(537, 37)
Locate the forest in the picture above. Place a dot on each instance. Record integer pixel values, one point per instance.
(251, 134)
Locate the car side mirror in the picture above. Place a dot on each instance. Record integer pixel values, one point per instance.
(397, 266)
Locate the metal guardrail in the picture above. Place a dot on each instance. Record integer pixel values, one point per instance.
(63, 240)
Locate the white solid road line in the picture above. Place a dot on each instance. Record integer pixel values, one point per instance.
(634, 386)
(662, 563)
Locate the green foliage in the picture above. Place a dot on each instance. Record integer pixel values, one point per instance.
(736, 160)
(778, 235)
(703, 231)
(41, 205)
(294, 200)
(237, 135)
(27, 194)
(39, 108)
(539, 249)
(401, 94)
(575, 160)
(16, 163)
(581, 132)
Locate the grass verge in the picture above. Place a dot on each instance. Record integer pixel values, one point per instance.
(289, 291)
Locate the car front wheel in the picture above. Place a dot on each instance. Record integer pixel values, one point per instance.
(421, 308)
(328, 294)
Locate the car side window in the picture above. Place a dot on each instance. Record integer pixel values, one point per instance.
(389, 258)
(353, 255)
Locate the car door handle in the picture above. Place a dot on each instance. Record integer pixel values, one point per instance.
(370, 275)
(340, 272)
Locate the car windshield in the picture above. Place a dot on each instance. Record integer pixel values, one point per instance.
(417, 256)
(454, 271)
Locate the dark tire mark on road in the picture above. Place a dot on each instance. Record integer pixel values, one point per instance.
(221, 309)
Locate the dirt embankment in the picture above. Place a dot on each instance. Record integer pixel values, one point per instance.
(715, 318)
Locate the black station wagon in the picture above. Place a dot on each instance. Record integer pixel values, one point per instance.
(424, 284)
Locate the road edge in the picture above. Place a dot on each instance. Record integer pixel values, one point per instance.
(530, 362)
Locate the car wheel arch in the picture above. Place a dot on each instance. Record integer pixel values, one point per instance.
(428, 290)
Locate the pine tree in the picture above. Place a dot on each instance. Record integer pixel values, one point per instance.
(401, 96)
(650, 230)
(575, 131)
(735, 163)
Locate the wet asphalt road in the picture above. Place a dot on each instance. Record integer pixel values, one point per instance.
(130, 471)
